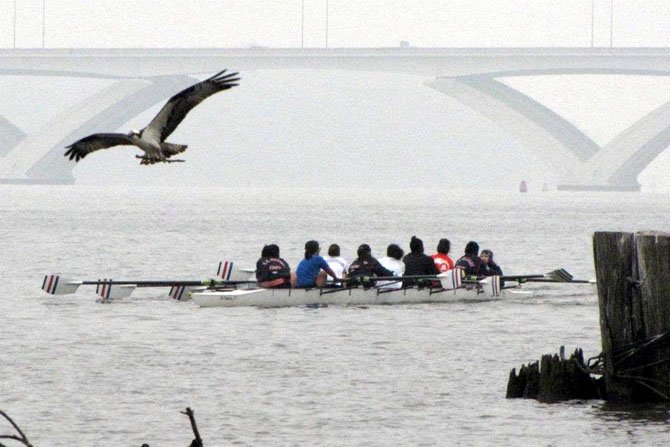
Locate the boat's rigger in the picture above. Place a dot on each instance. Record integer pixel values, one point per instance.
(354, 296)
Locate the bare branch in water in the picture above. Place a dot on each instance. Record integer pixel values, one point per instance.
(197, 442)
(22, 438)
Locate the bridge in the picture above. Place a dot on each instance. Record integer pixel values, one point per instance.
(144, 77)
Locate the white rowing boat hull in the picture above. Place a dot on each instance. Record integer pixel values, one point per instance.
(355, 296)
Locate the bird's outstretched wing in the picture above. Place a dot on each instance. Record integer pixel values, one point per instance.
(176, 109)
(80, 149)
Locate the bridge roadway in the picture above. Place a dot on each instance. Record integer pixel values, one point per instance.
(144, 77)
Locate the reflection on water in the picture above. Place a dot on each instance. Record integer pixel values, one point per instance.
(636, 413)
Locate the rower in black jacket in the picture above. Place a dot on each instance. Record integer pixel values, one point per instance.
(418, 263)
(470, 262)
(363, 268)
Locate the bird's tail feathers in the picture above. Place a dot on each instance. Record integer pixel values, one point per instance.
(170, 149)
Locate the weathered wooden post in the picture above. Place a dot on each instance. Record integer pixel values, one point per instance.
(633, 277)
(554, 379)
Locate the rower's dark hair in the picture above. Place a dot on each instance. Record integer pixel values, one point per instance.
(444, 246)
(364, 251)
(334, 250)
(311, 247)
(265, 252)
(394, 251)
(273, 250)
(472, 248)
(416, 245)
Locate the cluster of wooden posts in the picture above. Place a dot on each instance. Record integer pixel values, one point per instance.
(633, 279)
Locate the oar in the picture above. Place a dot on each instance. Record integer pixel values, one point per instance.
(58, 285)
(574, 281)
(390, 278)
(558, 275)
(449, 280)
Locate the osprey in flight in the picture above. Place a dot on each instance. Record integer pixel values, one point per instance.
(151, 139)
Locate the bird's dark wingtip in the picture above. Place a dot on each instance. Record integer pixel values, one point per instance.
(230, 77)
(217, 75)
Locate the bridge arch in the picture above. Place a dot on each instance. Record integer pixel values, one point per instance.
(38, 158)
(580, 162)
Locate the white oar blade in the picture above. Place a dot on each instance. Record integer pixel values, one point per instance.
(494, 285)
(225, 270)
(229, 271)
(451, 279)
(57, 285)
(110, 291)
(183, 293)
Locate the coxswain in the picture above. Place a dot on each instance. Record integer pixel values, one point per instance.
(309, 268)
(488, 267)
(417, 263)
(365, 267)
(271, 270)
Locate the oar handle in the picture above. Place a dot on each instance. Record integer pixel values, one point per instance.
(165, 283)
(520, 277)
(388, 278)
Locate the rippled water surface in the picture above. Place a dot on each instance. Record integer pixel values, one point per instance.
(75, 372)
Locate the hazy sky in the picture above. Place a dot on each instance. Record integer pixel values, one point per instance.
(300, 122)
(352, 23)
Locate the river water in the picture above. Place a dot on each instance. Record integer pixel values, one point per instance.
(76, 372)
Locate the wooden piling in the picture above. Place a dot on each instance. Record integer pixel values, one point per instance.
(633, 277)
(555, 379)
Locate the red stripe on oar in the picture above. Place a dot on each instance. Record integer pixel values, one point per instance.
(51, 280)
(104, 291)
(227, 270)
(176, 292)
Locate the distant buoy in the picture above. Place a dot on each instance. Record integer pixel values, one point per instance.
(523, 187)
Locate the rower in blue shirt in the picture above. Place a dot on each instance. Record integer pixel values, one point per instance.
(311, 265)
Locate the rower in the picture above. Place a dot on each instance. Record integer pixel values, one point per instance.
(392, 261)
(310, 266)
(470, 262)
(418, 263)
(336, 263)
(365, 266)
(442, 260)
(271, 270)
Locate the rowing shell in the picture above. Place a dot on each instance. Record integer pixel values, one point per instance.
(354, 296)
(241, 290)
